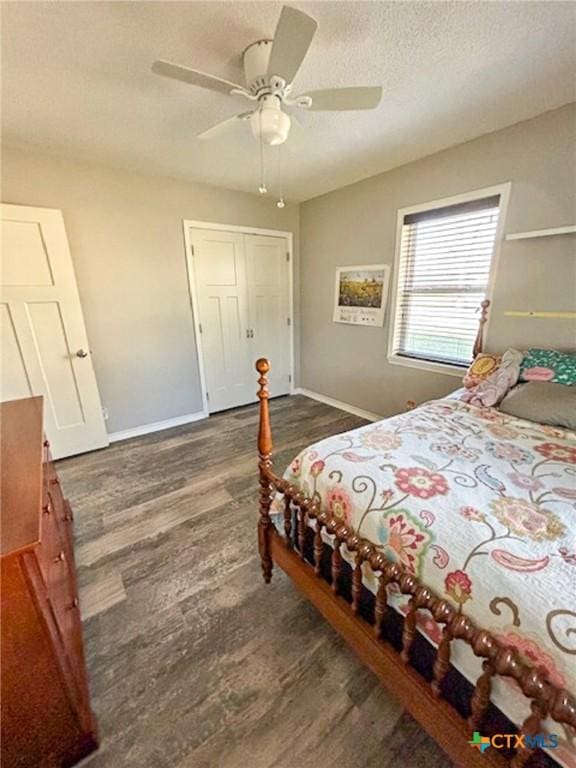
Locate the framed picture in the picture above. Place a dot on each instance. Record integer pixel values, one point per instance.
(361, 294)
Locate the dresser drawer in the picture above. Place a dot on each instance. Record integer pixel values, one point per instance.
(52, 489)
(56, 554)
(63, 598)
(62, 513)
(55, 510)
(46, 457)
(60, 579)
(63, 590)
(52, 541)
(65, 608)
(47, 463)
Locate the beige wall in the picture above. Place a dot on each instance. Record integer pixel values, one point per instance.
(357, 225)
(125, 232)
(126, 238)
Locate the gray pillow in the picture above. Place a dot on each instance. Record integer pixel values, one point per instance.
(542, 402)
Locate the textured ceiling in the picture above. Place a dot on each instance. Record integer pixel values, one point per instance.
(76, 80)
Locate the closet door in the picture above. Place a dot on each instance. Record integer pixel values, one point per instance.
(269, 306)
(219, 265)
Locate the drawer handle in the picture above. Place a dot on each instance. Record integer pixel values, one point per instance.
(46, 509)
(73, 604)
(46, 443)
(60, 557)
(68, 517)
(55, 481)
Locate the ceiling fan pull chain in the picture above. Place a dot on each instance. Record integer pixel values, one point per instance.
(262, 188)
(280, 203)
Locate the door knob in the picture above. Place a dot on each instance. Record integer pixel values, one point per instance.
(81, 353)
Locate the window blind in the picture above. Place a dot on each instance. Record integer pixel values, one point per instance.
(443, 276)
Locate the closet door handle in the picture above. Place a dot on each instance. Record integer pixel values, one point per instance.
(249, 333)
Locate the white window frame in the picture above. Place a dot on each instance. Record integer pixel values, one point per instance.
(503, 190)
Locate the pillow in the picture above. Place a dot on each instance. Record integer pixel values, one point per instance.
(553, 404)
(496, 385)
(548, 365)
(482, 366)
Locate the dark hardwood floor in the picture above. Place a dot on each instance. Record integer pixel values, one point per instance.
(193, 661)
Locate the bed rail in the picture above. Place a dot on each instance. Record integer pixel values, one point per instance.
(544, 699)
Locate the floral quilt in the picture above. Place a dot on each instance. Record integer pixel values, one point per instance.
(480, 506)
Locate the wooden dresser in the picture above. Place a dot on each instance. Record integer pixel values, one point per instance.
(45, 708)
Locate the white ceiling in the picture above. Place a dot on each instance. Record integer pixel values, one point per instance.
(77, 81)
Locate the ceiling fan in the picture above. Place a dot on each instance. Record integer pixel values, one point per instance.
(270, 67)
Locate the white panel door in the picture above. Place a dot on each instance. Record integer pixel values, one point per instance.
(222, 303)
(269, 306)
(44, 348)
(242, 299)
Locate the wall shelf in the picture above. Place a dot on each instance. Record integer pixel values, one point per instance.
(541, 315)
(543, 233)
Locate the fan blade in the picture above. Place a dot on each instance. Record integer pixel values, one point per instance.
(340, 99)
(294, 33)
(223, 126)
(194, 77)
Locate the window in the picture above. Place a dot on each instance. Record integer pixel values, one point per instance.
(442, 276)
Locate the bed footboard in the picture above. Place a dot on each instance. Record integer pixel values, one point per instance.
(424, 699)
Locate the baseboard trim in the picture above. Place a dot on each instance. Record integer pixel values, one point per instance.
(156, 426)
(368, 415)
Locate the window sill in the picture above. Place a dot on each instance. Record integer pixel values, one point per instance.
(428, 365)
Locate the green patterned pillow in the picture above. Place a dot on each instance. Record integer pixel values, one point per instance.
(548, 365)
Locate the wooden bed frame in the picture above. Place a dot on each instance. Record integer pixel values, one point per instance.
(423, 699)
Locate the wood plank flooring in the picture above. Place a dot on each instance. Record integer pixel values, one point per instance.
(193, 661)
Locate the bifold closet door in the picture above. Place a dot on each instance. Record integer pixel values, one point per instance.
(242, 300)
(222, 304)
(269, 306)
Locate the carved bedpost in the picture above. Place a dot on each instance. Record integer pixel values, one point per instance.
(479, 342)
(265, 463)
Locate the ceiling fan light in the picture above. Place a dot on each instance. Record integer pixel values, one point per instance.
(270, 125)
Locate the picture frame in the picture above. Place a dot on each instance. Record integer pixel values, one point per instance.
(361, 294)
